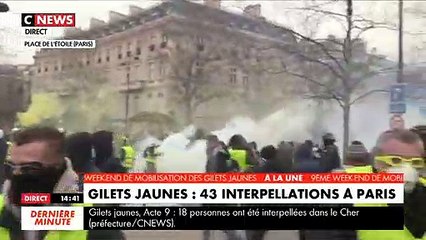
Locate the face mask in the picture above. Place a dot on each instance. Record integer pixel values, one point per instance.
(411, 175)
(42, 182)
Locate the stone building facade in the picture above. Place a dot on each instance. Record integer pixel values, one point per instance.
(144, 54)
(15, 92)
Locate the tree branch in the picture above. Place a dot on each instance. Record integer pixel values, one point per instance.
(367, 94)
(322, 47)
(330, 67)
(327, 97)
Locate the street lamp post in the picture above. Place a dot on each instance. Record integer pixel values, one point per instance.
(127, 96)
(400, 43)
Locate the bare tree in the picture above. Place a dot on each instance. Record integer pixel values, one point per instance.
(198, 68)
(336, 69)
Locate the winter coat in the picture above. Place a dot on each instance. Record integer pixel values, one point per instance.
(330, 158)
(10, 217)
(111, 165)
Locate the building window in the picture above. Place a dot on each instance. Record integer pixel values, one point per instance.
(245, 81)
(150, 70)
(138, 51)
(56, 67)
(99, 60)
(87, 62)
(160, 95)
(128, 53)
(46, 69)
(198, 67)
(200, 43)
(119, 52)
(39, 69)
(233, 76)
(107, 55)
(164, 38)
(162, 69)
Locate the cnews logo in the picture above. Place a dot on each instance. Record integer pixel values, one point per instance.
(48, 19)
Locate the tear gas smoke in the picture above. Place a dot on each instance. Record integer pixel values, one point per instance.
(293, 123)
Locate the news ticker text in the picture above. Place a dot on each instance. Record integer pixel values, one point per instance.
(213, 218)
(213, 188)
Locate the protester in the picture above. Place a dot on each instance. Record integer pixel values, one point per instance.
(127, 154)
(211, 144)
(304, 160)
(240, 151)
(357, 156)
(398, 151)
(38, 164)
(151, 155)
(330, 158)
(396, 122)
(104, 151)
(270, 160)
(79, 150)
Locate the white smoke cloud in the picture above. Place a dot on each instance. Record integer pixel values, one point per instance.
(292, 123)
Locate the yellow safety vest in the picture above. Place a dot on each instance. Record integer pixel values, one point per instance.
(422, 180)
(51, 235)
(9, 147)
(379, 234)
(241, 157)
(152, 158)
(129, 156)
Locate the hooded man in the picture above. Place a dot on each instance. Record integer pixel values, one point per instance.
(241, 152)
(103, 143)
(38, 164)
(330, 158)
(79, 151)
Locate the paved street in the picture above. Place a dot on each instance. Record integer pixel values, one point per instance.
(196, 235)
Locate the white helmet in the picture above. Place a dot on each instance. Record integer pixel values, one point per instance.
(61, 130)
(1, 134)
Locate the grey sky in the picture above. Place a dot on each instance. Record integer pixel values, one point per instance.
(385, 41)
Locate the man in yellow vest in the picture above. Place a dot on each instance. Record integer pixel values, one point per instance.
(239, 150)
(128, 154)
(151, 155)
(37, 164)
(397, 151)
(421, 131)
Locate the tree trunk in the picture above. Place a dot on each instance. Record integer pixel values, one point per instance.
(346, 122)
(189, 113)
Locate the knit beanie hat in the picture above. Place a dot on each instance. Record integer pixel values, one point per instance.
(358, 152)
